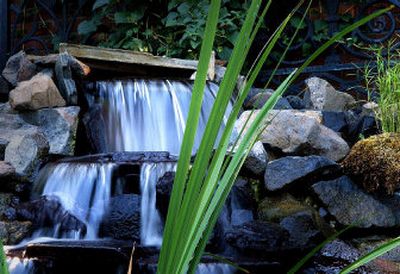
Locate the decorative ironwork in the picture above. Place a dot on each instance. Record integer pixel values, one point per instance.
(347, 57)
(34, 23)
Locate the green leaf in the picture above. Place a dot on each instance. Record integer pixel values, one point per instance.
(87, 27)
(183, 8)
(170, 20)
(100, 3)
(3, 261)
(125, 17)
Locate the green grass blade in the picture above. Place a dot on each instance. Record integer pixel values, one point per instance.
(189, 136)
(3, 260)
(372, 255)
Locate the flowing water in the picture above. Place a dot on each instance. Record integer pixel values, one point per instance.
(148, 115)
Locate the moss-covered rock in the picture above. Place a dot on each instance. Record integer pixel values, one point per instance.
(374, 163)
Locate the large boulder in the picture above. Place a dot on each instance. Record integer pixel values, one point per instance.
(375, 162)
(36, 93)
(352, 206)
(298, 133)
(286, 171)
(323, 96)
(18, 69)
(26, 152)
(59, 125)
(122, 221)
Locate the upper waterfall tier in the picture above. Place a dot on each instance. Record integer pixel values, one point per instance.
(144, 115)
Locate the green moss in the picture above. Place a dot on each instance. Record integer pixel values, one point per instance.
(375, 162)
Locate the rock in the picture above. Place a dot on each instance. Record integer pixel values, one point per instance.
(369, 109)
(8, 179)
(122, 221)
(274, 209)
(18, 69)
(26, 152)
(242, 194)
(362, 127)
(374, 162)
(255, 237)
(323, 96)
(351, 206)
(3, 145)
(95, 127)
(6, 170)
(38, 92)
(64, 79)
(335, 120)
(259, 100)
(241, 216)
(257, 159)
(298, 133)
(164, 189)
(14, 232)
(288, 171)
(59, 126)
(296, 102)
(4, 89)
(303, 233)
(333, 257)
(49, 212)
(5, 205)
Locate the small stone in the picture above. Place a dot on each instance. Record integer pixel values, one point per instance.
(36, 93)
(323, 96)
(335, 120)
(351, 206)
(65, 80)
(296, 102)
(18, 69)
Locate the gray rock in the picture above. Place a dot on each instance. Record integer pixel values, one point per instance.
(26, 152)
(122, 221)
(241, 216)
(298, 133)
(14, 232)
(323, 96)
(257, 159)
(288, 170)
(6, 170)
(352, 206)
(259, 100)
(337, 121)
(18, 69)
(5, 204)
(64, 79)
(38, 92)
(3, 145)
(59, 126)
(4, 89)
(296, 102)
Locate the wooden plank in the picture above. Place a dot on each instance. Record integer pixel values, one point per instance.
(126, 57)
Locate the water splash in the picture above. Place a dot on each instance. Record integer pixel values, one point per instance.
(83, 189)
(151, 224)
(20, 266)
(148, 115)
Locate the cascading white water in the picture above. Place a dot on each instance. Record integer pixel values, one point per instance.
(20, 266)
(83, 189)
(215, 268)
(151, 226)
(149, 115)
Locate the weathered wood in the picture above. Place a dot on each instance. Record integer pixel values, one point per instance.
(126, 57)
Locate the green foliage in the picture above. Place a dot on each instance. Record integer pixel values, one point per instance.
(199, 193)
(173, 30)
(385, 79)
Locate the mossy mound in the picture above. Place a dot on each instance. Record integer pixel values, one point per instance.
(375, 162)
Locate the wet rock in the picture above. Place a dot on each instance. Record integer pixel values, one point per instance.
(257, 159)
(59, 126)
(333, 257)
(3, 145)
(14, 232)
(6, 170)
(5, 206)
(256, 237)
(18, 69)
(4, 89)
(65, 80)
(241, 216)
(49, 212)
(242, 194)
(36, 93)
(298, 133)
(323, 96)
(352, 206)
(274, 209)
(95, 127)
(289, 170)
(164, 190)
(296, 102)
(362, 127)
(26, 152)
(122, 221)
(374, 163)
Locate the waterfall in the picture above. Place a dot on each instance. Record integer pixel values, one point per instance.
(148, 115)
(83, 189)
(214, 268)
(20, 266)
(151, 226)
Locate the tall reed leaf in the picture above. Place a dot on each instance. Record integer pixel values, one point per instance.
(199, 195)
(3, 262)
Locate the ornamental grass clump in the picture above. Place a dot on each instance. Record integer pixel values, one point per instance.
(199, 192)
